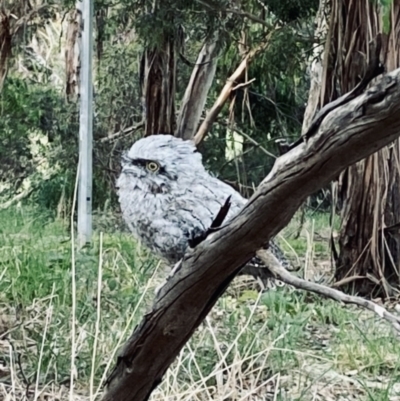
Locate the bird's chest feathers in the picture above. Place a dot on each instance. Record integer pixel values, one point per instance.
(150, 205)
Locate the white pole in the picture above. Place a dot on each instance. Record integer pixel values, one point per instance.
(85, 127)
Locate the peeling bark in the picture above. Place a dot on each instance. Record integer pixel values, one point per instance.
(5, 45)
(316, 67)
(13, 18)
(72, 55)
(196, 92)
(158, 81)
(347, 135)
(368, 191)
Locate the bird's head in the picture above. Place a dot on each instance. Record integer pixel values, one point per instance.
(155, 163)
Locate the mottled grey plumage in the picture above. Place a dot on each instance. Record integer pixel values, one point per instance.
(167, 197)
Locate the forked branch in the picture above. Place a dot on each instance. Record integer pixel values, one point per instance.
(231, 82)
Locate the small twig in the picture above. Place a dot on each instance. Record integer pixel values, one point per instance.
(243, 85)
(254, 142)
(249, 138)
(273, 264)
(348, 280)
(238, 186)
(216, 223)
(123, 132)
(18, 362)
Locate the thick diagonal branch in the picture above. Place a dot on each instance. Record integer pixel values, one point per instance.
(346, 135)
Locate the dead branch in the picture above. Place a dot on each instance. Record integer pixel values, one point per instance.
(226, 91)
(269, 259)
(346, 135)
(23, 195)
(122, 133)
(243, 85)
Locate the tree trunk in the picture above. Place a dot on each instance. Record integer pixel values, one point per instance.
(196, 92)
(158, 82)
(368, 191)
(14, 17)
(316, 68)
(5, 44)
(72, 54)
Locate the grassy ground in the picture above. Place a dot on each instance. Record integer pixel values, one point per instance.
(276, 345)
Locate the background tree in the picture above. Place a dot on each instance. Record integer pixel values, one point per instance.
(368, 192)
(139, 92)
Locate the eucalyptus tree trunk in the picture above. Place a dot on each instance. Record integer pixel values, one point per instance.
(72, 53)
(158, 88)
(197, 90)
(316, 66)
(368, 259)
(5, 43)
(14, 16)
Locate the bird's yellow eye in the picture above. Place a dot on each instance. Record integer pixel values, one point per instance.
(152, 166)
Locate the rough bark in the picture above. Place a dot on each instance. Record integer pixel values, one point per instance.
(345, 136)
(369, 190)
(316, 68)
(196, 92)
(5, 44)
(158, 82)
(14, 15)
(72, 54)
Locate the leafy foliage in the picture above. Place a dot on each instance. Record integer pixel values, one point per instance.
(35, 122)
(34, 113)
(291, 10)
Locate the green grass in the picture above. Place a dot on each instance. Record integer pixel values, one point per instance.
(279, 345)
